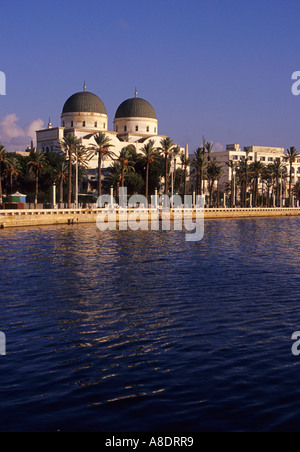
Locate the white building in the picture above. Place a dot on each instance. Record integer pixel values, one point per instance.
(84, 115)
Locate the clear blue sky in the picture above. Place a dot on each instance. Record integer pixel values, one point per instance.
(216, 67)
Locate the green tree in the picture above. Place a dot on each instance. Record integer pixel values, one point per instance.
(70, 144)
(13, 169)
(149, 155)
(115, 177)
(292, 154)
(232, 166)
(256, 169)
(60, 173)
(185, 162)
(199, 163)
(278, 169)
(296, 191)
(126, 163)
(3, 159)
(102, 148)
(167, 146)
(213, 173)
(36, 162)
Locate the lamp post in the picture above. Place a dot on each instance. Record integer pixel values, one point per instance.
(54, 195)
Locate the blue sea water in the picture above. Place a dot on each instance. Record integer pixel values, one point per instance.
(142, 331)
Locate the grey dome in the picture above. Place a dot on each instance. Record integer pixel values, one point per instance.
(135, 108)
(84, 102)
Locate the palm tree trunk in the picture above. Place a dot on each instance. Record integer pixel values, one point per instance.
(70, 179)
(218, 194)
(290, 188)
(1, 197)
(61, 190)
(210, 194)
(99, 174)
(36, 187)
(166, 176)
(147, 181)
(200, 182)
(123, 178)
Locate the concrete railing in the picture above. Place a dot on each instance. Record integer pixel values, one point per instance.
(33, 217)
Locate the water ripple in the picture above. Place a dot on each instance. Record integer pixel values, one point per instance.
(145, 332)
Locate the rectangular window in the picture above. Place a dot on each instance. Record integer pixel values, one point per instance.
(125, 128)
(96, 124)
(148, 129)
(72, 124)
(83, 123)
(136, 128)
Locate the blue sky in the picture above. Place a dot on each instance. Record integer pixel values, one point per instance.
(221, 68)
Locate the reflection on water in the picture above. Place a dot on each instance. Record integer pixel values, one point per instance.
(141, 331)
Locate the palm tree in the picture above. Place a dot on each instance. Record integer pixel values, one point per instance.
(199, 164)
(36, 162)
(296, 191)
(268, 179)
(209, 148)
(185, 161)
(60, 173)
(213, 173)
(292, 154)
(70, 145)
(13, 169)
(245, 179)
(167, 146)
(126, 163)
(278, 169)
(219, 175)
(232, 165)
(102, 149)
(115, 176)
(256, 169)
(149, 155)
(3, 159)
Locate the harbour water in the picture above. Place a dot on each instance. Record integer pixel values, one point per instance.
(142, 331)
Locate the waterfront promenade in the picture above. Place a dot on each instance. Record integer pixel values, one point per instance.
(33, 217)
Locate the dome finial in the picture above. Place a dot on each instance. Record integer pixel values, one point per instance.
(84, 87)
(135, 93)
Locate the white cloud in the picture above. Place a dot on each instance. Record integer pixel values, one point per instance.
(218, 147)
(16, 138)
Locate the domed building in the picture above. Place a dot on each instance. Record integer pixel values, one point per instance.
(84, 110)
(135, 118)
(84, 115)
